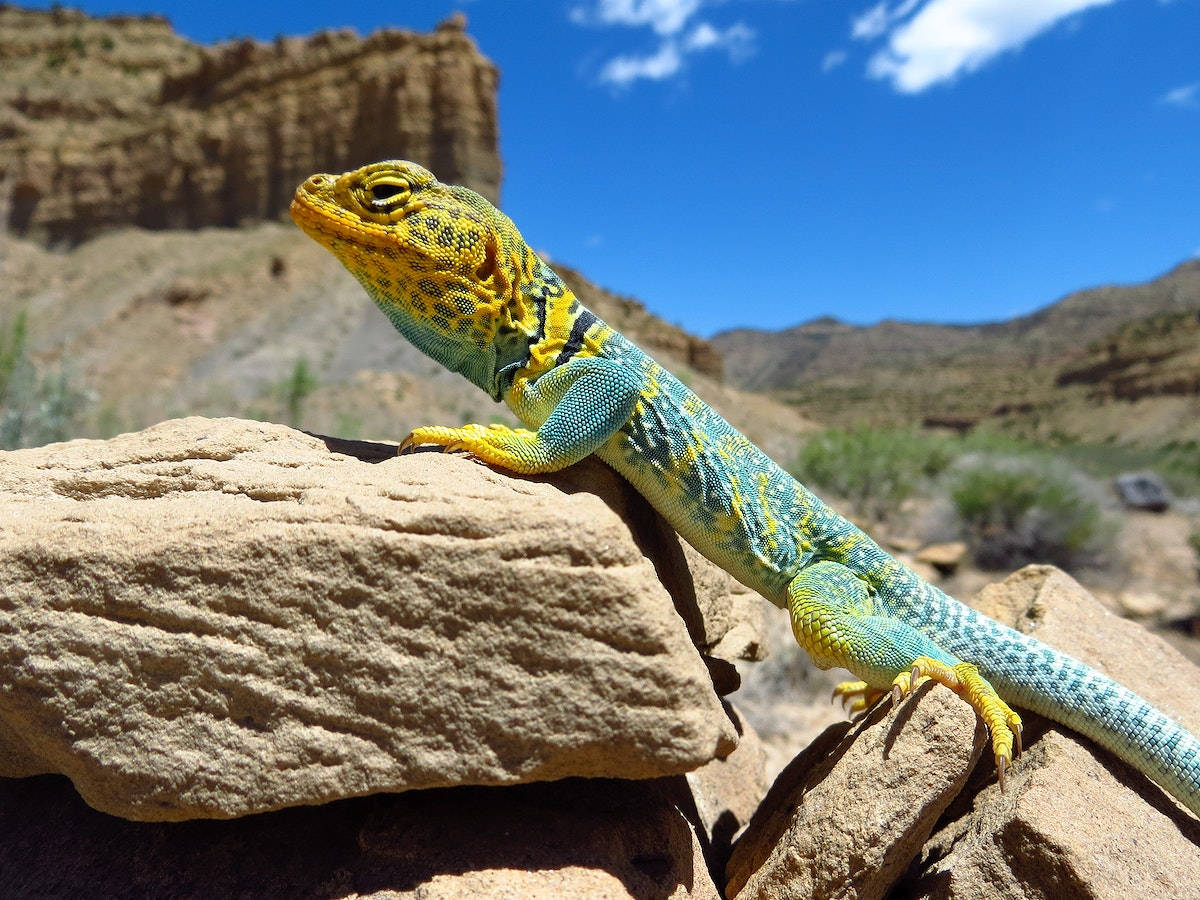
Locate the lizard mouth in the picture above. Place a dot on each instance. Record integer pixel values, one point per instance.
(322, 221)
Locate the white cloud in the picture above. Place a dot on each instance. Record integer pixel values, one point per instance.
(878, 19)
(664, 16)
(737, 40)
(1187, 96)
(669, 19)
(622, 71)
(833, 59)
(945, 38)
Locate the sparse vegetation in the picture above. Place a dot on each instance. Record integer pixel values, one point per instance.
(873, 468)
(36, 407)
(1017, 501)
(296, 389)
(1023, 509)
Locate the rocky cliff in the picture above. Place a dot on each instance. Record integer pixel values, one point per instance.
(116, 121)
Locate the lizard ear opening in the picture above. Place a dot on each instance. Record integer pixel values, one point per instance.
(490, 267)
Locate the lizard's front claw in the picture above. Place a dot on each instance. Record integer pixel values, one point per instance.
(964, 679)
(856, 696)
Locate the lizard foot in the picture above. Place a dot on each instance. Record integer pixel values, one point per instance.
(964, 679)
(856, 696)
(484, 443)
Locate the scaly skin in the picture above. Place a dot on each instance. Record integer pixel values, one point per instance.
(456, 278)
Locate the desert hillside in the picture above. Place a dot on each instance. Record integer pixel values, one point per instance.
(1049, 375)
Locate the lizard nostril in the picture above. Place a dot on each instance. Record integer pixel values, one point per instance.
(316, 181)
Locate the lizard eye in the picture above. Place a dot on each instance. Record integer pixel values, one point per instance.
(387, 194)
(385, 191)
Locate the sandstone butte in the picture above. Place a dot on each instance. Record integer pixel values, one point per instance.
(358, 674)
(120, 121)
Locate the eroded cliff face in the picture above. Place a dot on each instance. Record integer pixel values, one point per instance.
(117, 121)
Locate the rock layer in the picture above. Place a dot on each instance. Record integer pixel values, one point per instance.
(216, 617)
(116, 121)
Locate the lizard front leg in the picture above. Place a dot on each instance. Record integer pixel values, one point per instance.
(834, 620)
(581, 403)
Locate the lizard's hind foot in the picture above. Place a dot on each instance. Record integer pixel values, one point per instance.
(964, 679)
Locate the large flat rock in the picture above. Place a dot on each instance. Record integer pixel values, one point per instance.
(217, 617)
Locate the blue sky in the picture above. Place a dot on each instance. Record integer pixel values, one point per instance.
(763, 162)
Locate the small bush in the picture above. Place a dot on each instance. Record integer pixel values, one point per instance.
(873, 468)
(1023, 510)
(35, 407)
(296, 389)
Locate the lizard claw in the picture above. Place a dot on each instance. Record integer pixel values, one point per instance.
(964, 679)
(406, 445)
(856, 696)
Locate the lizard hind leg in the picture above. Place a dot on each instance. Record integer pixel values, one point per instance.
(835, 620)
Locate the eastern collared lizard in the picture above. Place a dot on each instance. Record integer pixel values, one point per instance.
(455, 277)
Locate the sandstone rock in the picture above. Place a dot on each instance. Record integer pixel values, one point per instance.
(1142, 604)
(572, 838)
(218, 617)
(163, 133)
(946, 558)
(723, 795)
(1075, 821)
(850, 813)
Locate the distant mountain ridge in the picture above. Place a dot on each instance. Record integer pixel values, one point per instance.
(1008, 372)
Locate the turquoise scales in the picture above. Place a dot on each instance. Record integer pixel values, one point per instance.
(455, 277)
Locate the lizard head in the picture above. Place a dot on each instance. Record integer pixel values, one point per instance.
(440, 261)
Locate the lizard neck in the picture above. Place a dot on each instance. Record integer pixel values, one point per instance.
(553, 331)
(475, 364)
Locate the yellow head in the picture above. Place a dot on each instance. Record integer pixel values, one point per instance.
(442, 263)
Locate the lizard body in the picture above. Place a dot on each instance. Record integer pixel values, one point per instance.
(455, 277)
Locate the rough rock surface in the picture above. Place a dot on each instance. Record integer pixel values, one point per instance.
(218, 617)
(119, 121)
(572, 838)
(1075, 821)
(851, 811)
(847, 819)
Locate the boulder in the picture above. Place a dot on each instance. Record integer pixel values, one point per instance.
(890, 805)
(1075, 820)
(212, 618)
(946, 558)
(1143, 490)
(846, 818)
(570, 838)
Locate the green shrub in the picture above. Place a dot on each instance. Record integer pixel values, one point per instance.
(296, 389)
(1023, 510)
(875, 469)
(35, 407)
